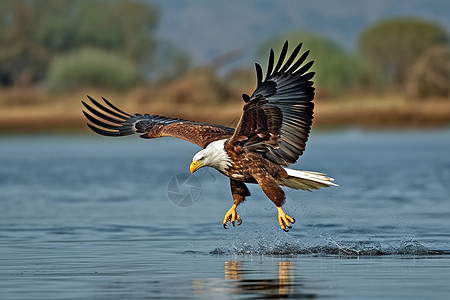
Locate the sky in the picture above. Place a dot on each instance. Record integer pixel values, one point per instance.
(207, 29)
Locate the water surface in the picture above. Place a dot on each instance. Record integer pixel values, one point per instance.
(93, 217)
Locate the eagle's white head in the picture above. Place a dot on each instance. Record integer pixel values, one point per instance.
(214, 155)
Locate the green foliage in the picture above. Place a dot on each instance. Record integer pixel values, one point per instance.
(335, 69)
(22, 60)
(368, 76)
(91, 67)
(394, 45)
(33, 32)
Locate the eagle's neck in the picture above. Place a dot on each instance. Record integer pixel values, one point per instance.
(216, 156)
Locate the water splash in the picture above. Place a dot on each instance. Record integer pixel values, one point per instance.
(281, 246)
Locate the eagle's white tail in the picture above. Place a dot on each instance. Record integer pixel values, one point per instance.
(306, 180)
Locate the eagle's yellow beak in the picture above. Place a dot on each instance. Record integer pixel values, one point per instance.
(195, 165)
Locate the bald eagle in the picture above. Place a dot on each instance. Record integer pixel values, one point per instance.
(270, 135)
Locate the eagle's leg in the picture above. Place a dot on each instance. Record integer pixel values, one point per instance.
(275, 193)
(239, 191)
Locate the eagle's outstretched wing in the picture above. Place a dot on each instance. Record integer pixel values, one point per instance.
(111, 121)
(277, 117)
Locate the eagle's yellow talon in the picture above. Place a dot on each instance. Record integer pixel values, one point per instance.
(232, 216)
(284, 220)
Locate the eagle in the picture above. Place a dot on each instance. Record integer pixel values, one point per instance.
(270, 135)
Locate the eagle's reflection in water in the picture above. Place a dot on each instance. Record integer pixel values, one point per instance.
(243, 283)
(233, 270)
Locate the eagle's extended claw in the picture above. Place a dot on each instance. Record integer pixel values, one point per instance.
(232, 216)
(284, 220)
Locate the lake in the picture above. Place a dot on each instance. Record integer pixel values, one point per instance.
(87, 217)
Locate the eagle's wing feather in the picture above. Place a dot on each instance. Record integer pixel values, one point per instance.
(109, 120)
(277, 117)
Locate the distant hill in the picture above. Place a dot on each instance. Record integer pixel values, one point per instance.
(208, 29)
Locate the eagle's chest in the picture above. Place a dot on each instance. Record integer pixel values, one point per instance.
(241, 168)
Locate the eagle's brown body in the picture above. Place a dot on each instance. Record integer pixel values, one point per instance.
(254, 168)
(271, 134)
(247, 165)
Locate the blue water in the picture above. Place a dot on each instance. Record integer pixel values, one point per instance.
(101, 218)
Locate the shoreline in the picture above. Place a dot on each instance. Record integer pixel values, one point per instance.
(36, 111)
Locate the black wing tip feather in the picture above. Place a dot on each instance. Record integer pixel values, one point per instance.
(292, 65)
(245, 97)
(291, 58)
(270, 65)
(103, 132)
(259, 73)
(106, 120)
(282, 56)
(116, 108)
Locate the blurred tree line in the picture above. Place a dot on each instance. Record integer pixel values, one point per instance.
(65, 44)
(405, 55)
(68, 44)
(407, 51)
